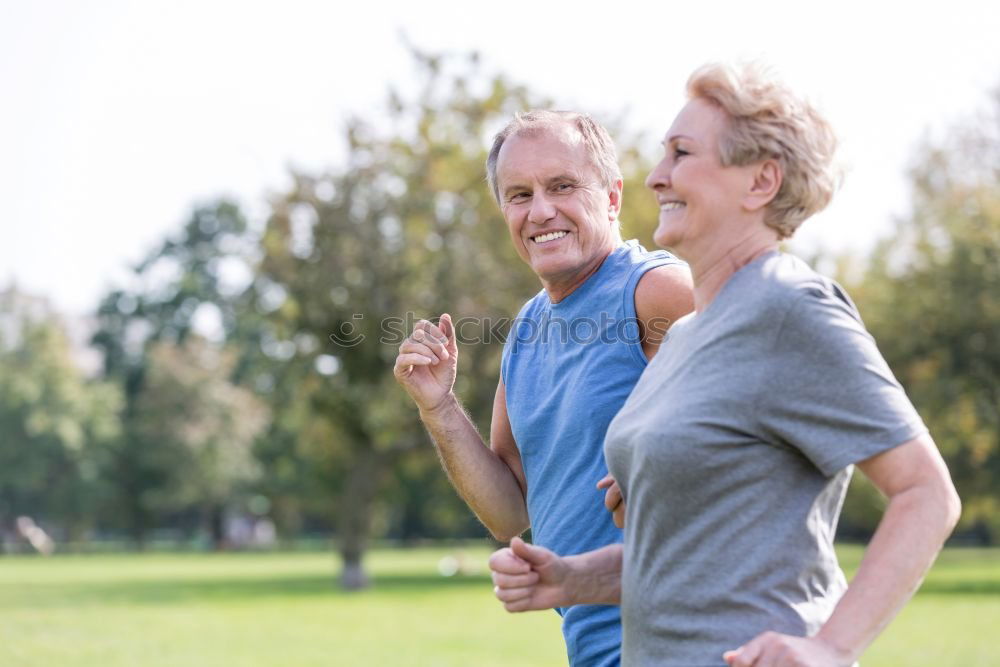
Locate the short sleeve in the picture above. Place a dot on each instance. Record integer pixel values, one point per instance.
(827, 391)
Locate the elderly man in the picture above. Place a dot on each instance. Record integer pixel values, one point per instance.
(572, 356)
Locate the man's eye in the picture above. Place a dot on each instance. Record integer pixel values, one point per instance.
(564, 187)
(679, 153)
(518, 196)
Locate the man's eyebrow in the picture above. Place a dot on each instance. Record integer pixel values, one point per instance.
(673, 138)
(508, 189)
(565, 177)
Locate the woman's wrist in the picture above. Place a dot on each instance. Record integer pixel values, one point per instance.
(595, 577)
(837, 647)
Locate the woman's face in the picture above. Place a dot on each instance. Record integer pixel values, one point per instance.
(699, 197)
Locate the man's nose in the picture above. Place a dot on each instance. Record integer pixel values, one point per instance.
(541, 210)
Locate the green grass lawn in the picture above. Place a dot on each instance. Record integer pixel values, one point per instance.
(283, 609)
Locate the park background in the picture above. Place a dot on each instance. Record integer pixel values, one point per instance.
(212, 210)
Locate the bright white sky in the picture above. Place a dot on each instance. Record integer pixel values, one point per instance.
(117, 117)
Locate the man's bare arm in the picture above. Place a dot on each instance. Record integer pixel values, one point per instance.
(663, 296)
(489, 479)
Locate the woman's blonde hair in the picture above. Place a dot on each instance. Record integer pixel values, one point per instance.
(767, 120)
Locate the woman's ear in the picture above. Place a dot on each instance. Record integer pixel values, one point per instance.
(765, 185)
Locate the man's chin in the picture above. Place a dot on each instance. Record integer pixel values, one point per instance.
(551, 266)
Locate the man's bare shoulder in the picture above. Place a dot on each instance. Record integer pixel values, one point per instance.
(665, 292)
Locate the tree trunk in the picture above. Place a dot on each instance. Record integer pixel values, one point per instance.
(217, 526)
(354, 519)
(137, 527)
(6, 536)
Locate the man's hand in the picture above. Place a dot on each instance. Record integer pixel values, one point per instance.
(613, 499)
(428, 362)
(772, 649)
(529, 577)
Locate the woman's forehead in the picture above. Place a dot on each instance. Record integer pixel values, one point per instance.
(699, 120)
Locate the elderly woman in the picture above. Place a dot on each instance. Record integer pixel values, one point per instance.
(735, 449)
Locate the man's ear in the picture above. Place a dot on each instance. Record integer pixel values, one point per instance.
(764, 188)
(615, 199)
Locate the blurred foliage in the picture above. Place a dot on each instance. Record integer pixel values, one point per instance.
(55, 425)
(931, 297)
(200, 423)
(148, 334)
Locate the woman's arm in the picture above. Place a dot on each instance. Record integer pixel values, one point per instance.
(528, 577)
(922, 511)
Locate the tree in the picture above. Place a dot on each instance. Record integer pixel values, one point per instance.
(56, 427)
(198, 279)
(931, 297)
(406, 229)
(191, 412)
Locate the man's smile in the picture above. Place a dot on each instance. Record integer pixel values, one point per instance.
(548, 236)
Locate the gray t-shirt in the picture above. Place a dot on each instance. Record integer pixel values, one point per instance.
(734, 452)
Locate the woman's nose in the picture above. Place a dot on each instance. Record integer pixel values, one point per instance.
(658, 177)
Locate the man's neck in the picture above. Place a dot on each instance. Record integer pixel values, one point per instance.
(561, 287)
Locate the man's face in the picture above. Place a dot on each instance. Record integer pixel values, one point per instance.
(562, 220)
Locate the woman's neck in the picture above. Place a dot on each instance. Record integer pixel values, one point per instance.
(713, 269)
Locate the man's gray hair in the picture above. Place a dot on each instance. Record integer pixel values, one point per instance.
(596, 139)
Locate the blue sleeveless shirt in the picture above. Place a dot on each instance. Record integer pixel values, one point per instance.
(567, 369)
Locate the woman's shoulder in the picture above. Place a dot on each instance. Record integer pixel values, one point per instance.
(808, 301)
(783, 272)
(780, 290)
(785, 278)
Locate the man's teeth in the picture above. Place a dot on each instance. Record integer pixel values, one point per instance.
(671, 205)
(551, 236)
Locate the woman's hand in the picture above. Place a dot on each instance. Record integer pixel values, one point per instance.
(613, 499)
(772, 649)
(528, 577)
